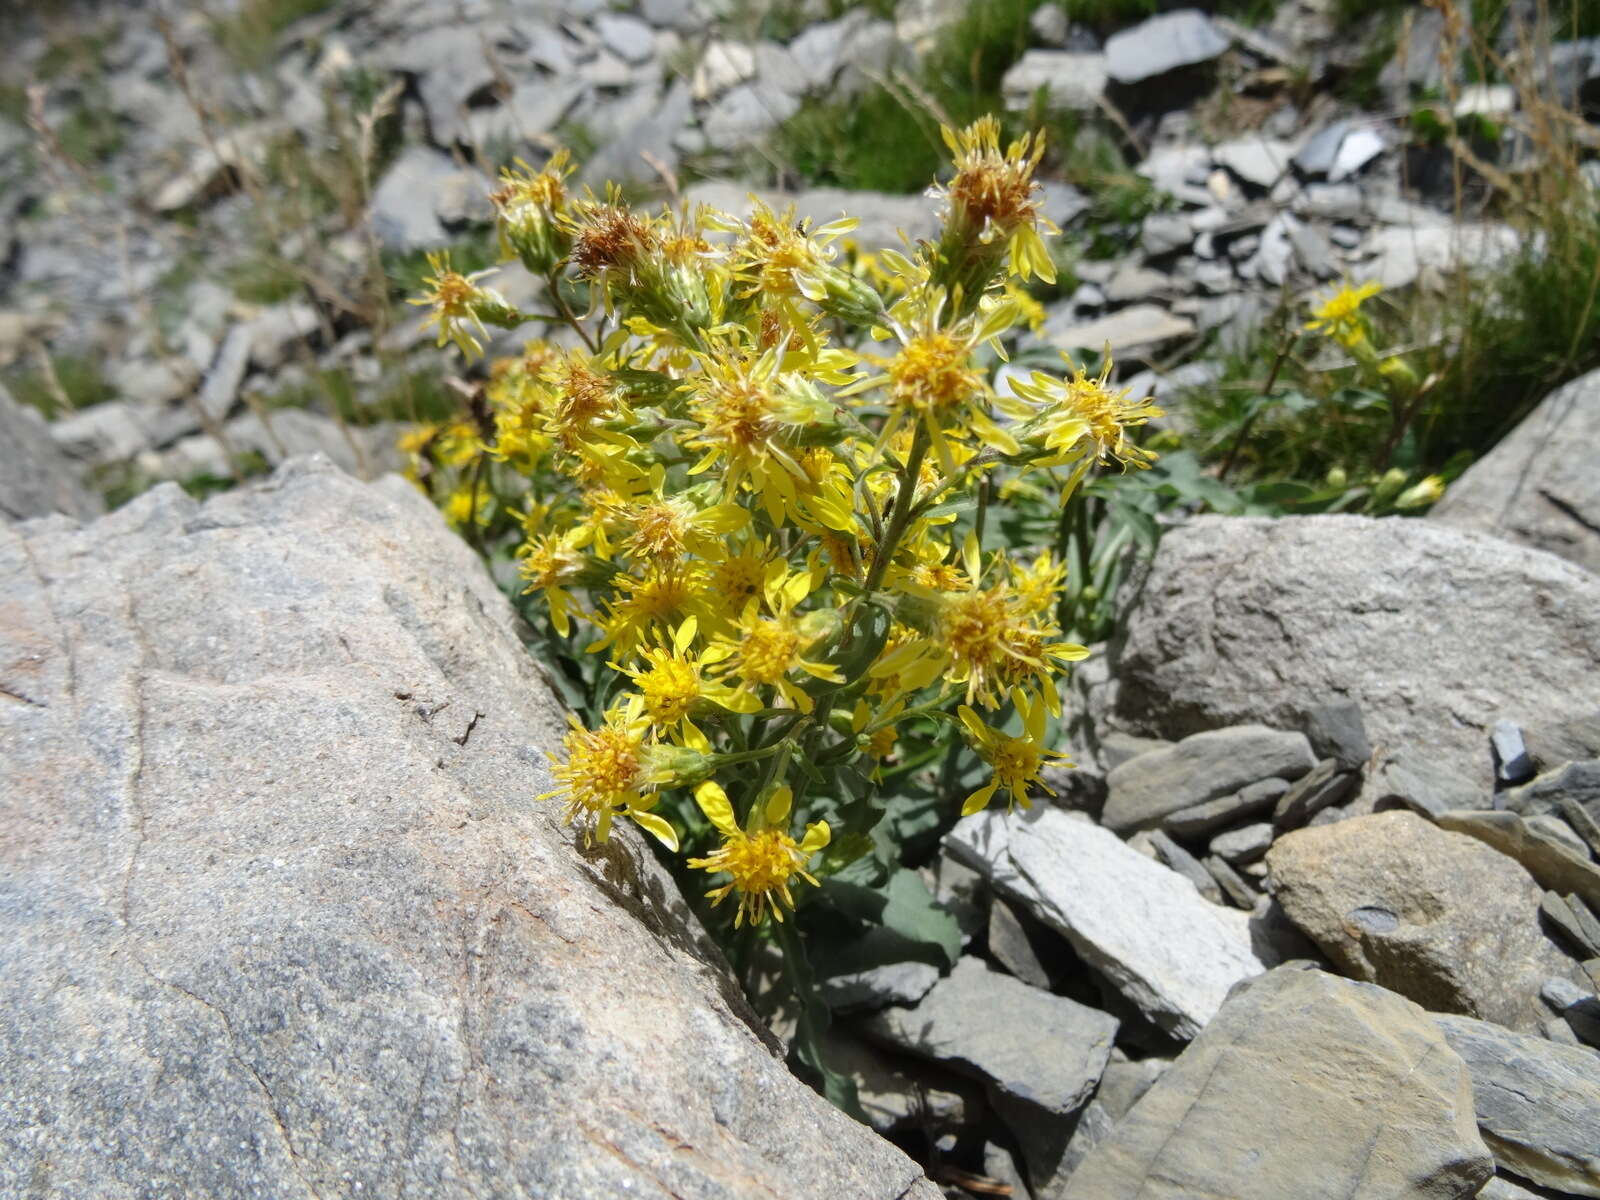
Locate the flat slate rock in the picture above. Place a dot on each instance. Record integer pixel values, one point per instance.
(1161, 44)
(1538, 1104)
(1552, 863)
(1054, 1065)
(1245, 619)
(1575, 781)
(1438, 917)
(1247, 802)
(36, 478)
(1204, 766)
(1326, 785)
(1526, 492)
(1141, 925)
(274, 885)
(1304, 1085)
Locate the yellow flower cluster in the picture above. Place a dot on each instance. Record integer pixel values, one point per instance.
(754, 476)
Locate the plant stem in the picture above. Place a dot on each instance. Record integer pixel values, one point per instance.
(565, 310)
(901, 515)
(1284, 349)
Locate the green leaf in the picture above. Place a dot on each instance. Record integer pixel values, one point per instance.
(904, 924)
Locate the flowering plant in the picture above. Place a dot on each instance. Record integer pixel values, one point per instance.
(754, 479)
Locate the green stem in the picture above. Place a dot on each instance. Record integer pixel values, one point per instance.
(565, 310)
(901, 515)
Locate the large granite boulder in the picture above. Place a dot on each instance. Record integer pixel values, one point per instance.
(280, 916)
(1434, 632)
(1304, 1085)
(36, 478)
(1438, 917)
(1539, 486)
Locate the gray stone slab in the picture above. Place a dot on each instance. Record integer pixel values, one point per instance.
(1204, 766)
(1141, 925)
(1055, 1067)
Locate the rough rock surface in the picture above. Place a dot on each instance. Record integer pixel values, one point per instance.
(1055, 1067)
(1247, 619)
(1304, 1085)
(1436, 916)
(272, 881)
(35, 476)
(1538, 1103)
(1539, 486)
(1142, 926)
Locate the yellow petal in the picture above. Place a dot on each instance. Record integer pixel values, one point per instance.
(684, 637)
(657, 827)
(713, 801)
(778, 805)
(817, 836)
(973, 722)
(979, 800)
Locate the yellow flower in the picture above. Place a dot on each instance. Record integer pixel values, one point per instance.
(761, 861)
(932, 381)
(461, 305)
(1419, 495)
(737, 575)
(1082, 420)
(751, 416)
(1017, 761)
(611, 772)
(778, 258)
(528, 206)
(764, 651)
(463, 508)
(668, 527)
(550, 562)
(992, 214)
(1340, 317)
(671, 686)
(993, 643)
(648, 605)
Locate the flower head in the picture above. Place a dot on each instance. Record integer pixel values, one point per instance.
(671, 685)
(611, 772)
(1339, 315)
(751, 415)
(760, 860)
(1017, 761)
(528, 206)
(992, 213)
(1082, 420)
(778, 257)
(461, 305)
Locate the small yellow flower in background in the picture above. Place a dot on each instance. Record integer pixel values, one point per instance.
(1082, 420)
(551, 563)
(1419, 495)
(461, 305)
(459, 507)
(611, 772)
(761, 861)
(1340, 317)
(1017, 761)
